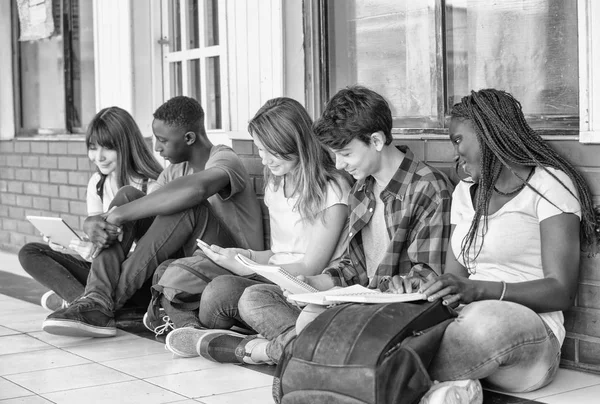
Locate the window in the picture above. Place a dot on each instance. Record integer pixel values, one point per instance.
(193, 55)
(423, 56)
(55, 76)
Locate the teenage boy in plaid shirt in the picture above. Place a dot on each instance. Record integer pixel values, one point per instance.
(399, 227)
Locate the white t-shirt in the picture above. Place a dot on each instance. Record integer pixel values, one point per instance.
(95, 205)
(290, 235)
(512, 247)
(375, 237)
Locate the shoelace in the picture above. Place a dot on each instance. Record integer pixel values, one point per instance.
(165, 327)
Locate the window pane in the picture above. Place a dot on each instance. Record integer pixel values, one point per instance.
(213, 81)
(389, 46)
(194, 79)
(192, 24)
(174, 26)
(82, 39)
(528, 48)
(211, 23)
(175, 78)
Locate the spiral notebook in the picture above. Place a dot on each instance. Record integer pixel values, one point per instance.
(355, 294)
(277, 275)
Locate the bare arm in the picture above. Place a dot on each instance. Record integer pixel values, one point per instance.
(179, 194)
(556, 291)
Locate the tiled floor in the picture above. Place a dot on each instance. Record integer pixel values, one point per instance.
(36, 367)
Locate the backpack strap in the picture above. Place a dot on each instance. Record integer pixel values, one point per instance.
(100, 186)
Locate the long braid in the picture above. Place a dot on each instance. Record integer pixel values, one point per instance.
(506, 138)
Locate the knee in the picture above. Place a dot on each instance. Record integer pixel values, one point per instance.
(218, 288)
(125, 195)
(255, 297)
(27, 252)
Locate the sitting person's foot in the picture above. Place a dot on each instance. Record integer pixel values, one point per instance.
(159, 326)
(83, 318)
(51, 301)
(228, 347)
(467, 391)
(182, 341)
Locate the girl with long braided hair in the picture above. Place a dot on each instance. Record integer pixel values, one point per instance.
(520, 223)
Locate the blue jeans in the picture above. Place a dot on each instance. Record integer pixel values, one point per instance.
(506, 344)
(266, 310)
(114, 277)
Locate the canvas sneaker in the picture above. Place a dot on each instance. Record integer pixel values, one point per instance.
(467, 391)
(159, 326)
(183, 341)
(83, 318)
(228, 347)
(51, 301)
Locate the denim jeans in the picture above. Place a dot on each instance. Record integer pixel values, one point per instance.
(63, 273)
(266, 310)
(506, 344)
(114, 277)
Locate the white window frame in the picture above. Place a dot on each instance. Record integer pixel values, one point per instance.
(201, 53)
(7, 96)
(589, 71)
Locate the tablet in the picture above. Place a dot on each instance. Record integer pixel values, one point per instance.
(55, 229)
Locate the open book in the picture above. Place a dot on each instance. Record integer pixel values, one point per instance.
(356, 294)
(277, 275)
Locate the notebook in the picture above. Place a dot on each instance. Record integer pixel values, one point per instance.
(355, 294)
(55, 229)
(277, 275)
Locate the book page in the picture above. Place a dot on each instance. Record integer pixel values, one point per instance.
(354, 293)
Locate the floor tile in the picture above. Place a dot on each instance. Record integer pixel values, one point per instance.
(588, 395)
(135, 392)
(31, 324)
(218, 380)
(60, 341)
(162, 364)
(7, 331)
(105, 351)
(27, 400)
(261, 395)
(38, 360)
(9, 389)
(566, 380)
(68, 378)
(20, 343)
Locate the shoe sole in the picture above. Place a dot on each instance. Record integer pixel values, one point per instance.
(77, 329)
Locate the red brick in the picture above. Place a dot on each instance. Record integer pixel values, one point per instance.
(76, 148)
(59, 205)
(14, 160)
(583, 321)
(3, 186)
(39, 147)
(9, 224)
(78, 208)
(24, 201)
(7, 146)
(78, 178)
(57, 147)
(67, 163)
(26, 228)
(3, 160)
(49, 190)
(15, 187)
(589, 352)
(3, 211)
(23, 174)
(7, 173)
(22, 147)
(58, 177)
(41, 203)
(82, 193)
(84, 163)
(31, 161)
(40, 175)
(16, 212)
(31, 188)
(48, 162)
(8, 199)
(17, 239)
(68, 192)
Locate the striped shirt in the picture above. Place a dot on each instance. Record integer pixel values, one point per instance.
(417, 216)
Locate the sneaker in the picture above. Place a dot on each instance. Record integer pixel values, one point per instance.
(51, 301)
(83, 318)
(228, 347)
(454, 392)
(183, 341)
(160, 326)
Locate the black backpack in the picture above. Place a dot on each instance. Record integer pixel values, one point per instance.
(363, 353)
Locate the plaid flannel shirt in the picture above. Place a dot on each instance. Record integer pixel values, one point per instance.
(417, 216)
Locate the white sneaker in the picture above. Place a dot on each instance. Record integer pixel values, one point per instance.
(467, 391)
(51, 301)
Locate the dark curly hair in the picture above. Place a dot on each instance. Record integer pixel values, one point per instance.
(354, 112)
(183, 112)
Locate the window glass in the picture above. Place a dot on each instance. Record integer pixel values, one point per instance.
(193, 36)
(528, 48)
(211, 23)
(213, 101)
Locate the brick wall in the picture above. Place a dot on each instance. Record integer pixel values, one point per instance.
(40, 178)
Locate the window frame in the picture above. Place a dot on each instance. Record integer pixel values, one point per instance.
(317, 74)
(202, 53)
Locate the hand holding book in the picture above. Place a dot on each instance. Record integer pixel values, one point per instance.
(225, 257)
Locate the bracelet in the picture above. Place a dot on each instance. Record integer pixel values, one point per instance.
(251, 254)
(503, 290)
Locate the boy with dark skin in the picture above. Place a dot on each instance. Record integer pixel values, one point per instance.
(205, 193)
